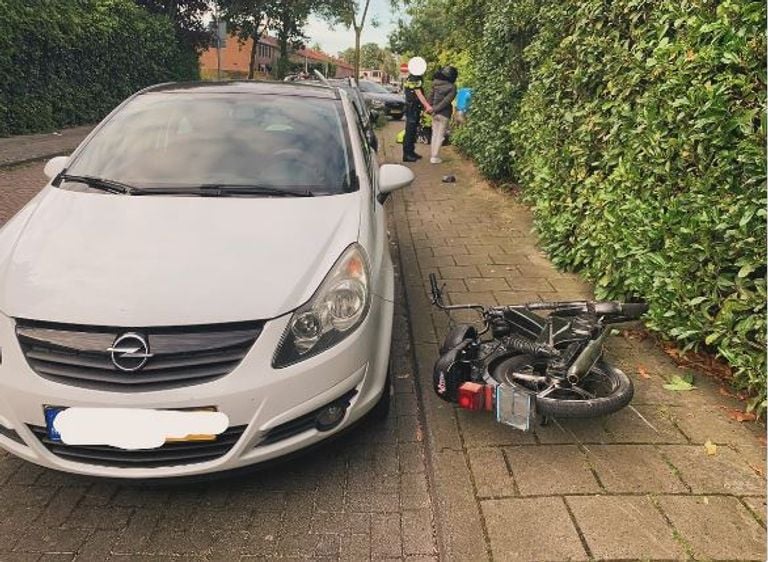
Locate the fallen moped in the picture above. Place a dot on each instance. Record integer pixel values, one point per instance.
(533, 361)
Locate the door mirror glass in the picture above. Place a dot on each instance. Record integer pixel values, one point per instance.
(55, 166)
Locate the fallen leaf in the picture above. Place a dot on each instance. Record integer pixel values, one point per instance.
(643, 373)
(711, 448)
(739, 416)
(725, 392)
(680, 384)
(757, 469)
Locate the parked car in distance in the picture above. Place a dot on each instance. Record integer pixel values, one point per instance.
(391, 105)
(203, 285)
(367, 115)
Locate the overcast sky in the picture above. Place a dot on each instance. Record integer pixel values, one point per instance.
(335, 40)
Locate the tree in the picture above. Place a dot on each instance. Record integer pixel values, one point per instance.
(289, 19)
(351, 14)
(248, 19)
(188, 18)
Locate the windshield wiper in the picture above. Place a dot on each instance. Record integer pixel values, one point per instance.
(226, 190)
(102, 184)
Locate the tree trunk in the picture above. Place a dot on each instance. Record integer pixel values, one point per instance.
(358, 33)
(282, 64)
(254, 50)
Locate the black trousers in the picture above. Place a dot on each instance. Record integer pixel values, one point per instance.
(411, 126)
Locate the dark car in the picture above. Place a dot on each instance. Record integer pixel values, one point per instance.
(362, 106)
(382, 100)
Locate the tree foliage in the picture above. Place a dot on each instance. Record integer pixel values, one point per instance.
(64, 63)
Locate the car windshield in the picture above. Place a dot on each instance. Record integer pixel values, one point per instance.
(163, 140)
(372, 87)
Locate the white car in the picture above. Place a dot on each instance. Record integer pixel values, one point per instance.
(204, 284)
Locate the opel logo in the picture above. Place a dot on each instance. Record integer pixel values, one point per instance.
(130, 352)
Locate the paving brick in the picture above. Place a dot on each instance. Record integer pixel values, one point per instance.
(643, 424)
(504, 271)
(723, 473)
(411, 457)
(718, 528)
(511, 258)
(386, 538)
(459, 272)
(41, 538)
(417, 532)
(624, 527)
(355, 547)
(454, 250)
(758, 507)
(545, 469)
(486, 284)
(477, 260)
(480, 429)
(457, 507)
(414, 492)
(515, 529)
(712, 424)
(492, 477)
(633, 468)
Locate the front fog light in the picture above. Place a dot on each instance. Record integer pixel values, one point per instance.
(330, 417)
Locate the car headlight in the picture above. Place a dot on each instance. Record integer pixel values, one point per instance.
(378, 104)
(338, 306)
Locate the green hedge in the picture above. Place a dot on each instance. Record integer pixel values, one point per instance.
(640, 143)
(67, 62)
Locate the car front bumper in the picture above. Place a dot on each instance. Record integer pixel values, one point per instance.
(259, 401)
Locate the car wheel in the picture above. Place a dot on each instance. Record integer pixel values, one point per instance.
(380, 411)
(397, 117)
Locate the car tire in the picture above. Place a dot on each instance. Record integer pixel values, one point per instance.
(397, 117)
(380, 411)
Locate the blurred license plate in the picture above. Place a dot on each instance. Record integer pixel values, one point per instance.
(52, 411)
(515, 408)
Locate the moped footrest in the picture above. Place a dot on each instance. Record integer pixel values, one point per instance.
(515, 407)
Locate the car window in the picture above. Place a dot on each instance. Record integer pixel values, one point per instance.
(193, 139)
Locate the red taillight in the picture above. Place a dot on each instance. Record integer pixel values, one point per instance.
(472, 396)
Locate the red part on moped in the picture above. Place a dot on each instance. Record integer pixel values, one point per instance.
(472, 396)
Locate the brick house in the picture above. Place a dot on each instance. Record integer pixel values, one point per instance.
(235, 59)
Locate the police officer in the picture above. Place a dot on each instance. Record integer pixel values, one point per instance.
(414, 102)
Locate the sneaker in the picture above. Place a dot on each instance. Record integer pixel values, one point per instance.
(417, 156)
(435, 160)
(410, 158)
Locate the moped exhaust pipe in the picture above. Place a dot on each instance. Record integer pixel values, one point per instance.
(586, 360)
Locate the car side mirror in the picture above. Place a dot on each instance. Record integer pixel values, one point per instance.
(55, 166)
(393, 177)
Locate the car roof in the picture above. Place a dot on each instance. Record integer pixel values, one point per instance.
(300, 89)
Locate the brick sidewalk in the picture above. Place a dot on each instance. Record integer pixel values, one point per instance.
(26, 148)
(612, 488)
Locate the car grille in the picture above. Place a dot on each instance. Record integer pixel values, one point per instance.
(395, 105)
(77, 355)
(170, 454)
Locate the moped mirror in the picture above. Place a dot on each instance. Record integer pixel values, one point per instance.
(55, 166)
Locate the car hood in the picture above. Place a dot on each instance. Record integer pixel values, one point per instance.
(113, 260)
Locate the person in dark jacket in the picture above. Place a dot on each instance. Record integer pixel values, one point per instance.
(443, 94)
(414, 102)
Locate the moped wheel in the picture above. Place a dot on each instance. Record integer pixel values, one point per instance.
(602, 391)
